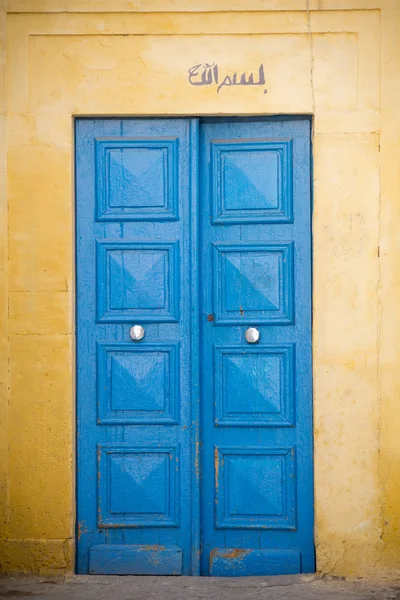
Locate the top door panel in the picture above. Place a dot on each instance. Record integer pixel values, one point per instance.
(137, 179)
(251, 181)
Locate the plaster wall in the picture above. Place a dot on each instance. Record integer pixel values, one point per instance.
(338, 60)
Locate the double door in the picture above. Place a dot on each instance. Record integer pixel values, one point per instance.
(194, 399)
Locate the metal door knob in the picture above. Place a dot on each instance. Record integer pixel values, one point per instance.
(252, 335)
(137, 333)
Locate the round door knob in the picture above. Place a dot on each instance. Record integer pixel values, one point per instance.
(252, 335)
(137, 333)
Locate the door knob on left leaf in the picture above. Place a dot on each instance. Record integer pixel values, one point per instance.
(252, 335)
(137, 333)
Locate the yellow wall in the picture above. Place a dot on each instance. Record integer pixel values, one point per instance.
(339, 61)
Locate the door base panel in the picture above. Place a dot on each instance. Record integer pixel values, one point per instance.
(237, 562)
(135, 560)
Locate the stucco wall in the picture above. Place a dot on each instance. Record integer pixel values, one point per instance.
(340, 61)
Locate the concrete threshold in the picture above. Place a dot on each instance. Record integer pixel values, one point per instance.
(297, 587)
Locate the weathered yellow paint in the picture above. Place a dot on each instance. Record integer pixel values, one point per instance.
(339, 61)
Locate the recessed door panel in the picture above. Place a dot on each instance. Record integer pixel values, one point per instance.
(137, 179)
(253, 283)
(254, 388)
(138, 383)
(255, 488)
(251, 181)
(137, 281)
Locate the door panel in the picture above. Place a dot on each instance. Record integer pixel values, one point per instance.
(254, 388)
(256, 417)
(138, 281)
(253, 282)
(136, 492)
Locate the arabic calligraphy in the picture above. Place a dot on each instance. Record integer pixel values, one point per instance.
(208, 74)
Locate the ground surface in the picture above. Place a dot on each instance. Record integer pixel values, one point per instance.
(195, 588)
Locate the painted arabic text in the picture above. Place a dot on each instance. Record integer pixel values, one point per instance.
(208, 74)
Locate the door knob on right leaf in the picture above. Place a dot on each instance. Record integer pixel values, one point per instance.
(252, 335)
(137, 333)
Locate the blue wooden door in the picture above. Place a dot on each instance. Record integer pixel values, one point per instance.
(194, 445)
(256, 417)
